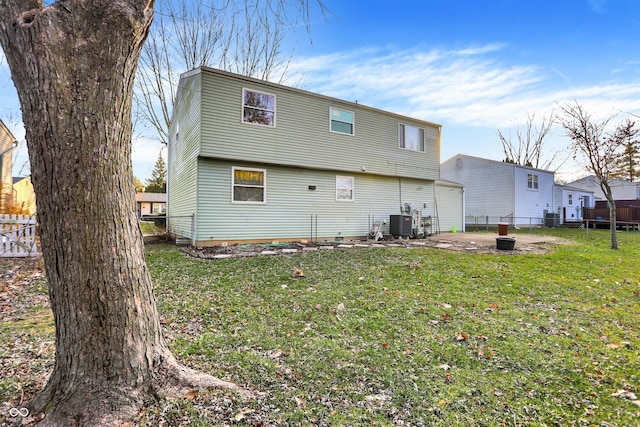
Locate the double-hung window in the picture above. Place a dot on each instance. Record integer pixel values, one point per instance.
(258, 108)
(532, 181)
(344, 188)
(410, 137)
(249, 185)
(341, 121)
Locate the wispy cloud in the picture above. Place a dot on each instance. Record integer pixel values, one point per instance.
(476, 86)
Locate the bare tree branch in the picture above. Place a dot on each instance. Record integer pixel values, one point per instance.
(528, 149)
(245, 37)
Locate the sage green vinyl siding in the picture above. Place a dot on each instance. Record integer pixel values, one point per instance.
(183, 146)
(291, 205)
(302, 136)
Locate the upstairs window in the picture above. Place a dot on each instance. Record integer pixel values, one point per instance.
(344, 188)
(570, 199)
(532, 181)
(249, 185)
(411, 137)
(258, 108)
(341, 121)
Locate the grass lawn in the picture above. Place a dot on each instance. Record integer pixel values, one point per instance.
(391, 337)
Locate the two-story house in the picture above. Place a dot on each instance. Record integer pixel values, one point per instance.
(257, 161)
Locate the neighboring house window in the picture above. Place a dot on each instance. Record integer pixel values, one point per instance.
(411, 137)
(532, 181)
(341, 121)
(249, 185)
(344, 188)
(570, 199)
(158, 208)
(258, 108)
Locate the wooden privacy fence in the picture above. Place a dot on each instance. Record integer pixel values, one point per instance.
(624, 214)
(18, 236)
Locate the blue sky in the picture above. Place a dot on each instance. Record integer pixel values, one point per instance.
(473, 66)
(478, 66)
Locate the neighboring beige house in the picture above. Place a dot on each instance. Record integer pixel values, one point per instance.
(7, 144)
(24, 198)
(151, 203)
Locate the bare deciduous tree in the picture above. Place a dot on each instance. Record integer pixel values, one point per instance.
(528, 149)
(601, 150)
(245, 37)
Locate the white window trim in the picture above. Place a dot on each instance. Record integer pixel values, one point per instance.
(353, 188)
(353, 121)
(535, 182)
(275, 100)
(424, 142)
(233, 185)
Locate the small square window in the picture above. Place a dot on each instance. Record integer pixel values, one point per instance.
(344, 188)
(410, 137)
(249, 185)
(532, 181)
(341, 121)
(258, 108)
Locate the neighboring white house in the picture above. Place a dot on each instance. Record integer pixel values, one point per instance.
(571, 201)
(502, 192)
(258, 161)
(621, 189)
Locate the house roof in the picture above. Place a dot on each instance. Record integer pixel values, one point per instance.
(17, 179)
(445, 182)
(498, 162)
(572, 188)
(151, 197)
(593, 180)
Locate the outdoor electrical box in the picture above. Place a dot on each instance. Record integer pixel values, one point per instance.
(400, 225)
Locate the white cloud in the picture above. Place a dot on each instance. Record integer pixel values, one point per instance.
(475, 86)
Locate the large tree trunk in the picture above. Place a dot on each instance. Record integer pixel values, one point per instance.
(73, 64)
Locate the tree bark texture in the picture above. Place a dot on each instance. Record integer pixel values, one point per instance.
(73, 64)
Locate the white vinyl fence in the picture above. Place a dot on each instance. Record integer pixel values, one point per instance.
(18, 236)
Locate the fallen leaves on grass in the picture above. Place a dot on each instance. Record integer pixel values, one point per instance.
(462, 336)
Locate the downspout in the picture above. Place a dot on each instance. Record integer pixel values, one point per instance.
(400, 194)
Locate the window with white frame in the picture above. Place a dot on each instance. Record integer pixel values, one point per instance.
(410, 137)
(341, 121)
(570, 199)
(158, 208)
(344, 188)
(258, 108)
(532, 181)
(249, 185)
